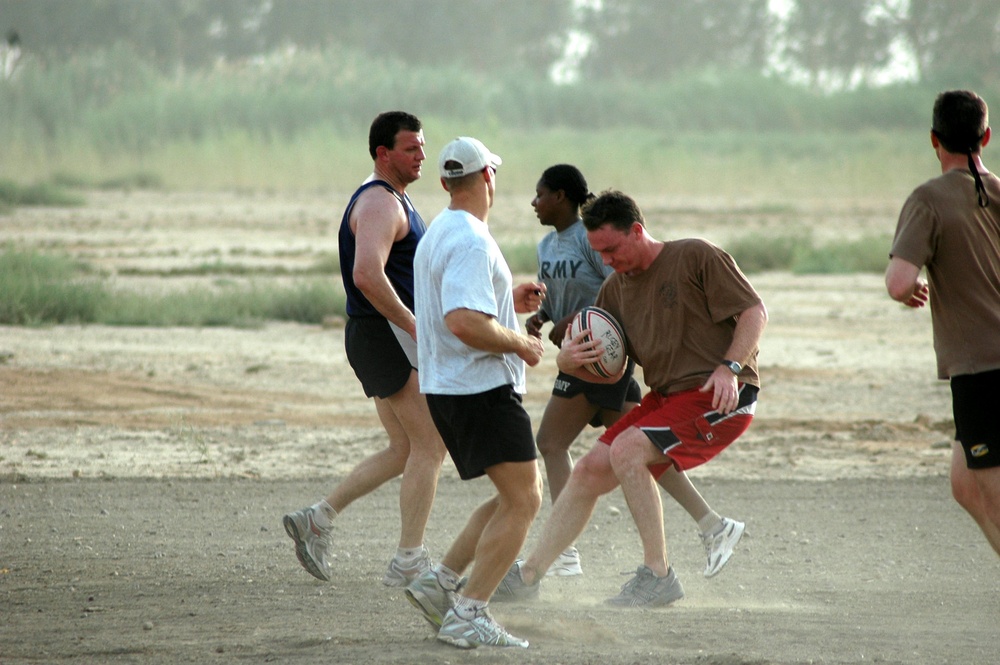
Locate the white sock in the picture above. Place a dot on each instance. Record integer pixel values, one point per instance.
(324, 514)
(466, 608)
(710, 523)
(409, 554)
(447, 578)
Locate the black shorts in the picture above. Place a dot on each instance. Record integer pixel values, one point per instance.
(376, 356)
(973, 399)
(483, 429)
(611, 396)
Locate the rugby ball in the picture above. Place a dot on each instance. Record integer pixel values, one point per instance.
(602, 326)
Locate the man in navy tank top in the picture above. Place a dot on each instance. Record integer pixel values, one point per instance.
(377, 241)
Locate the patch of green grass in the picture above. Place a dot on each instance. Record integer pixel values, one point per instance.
(799, 254)
(522, 257)
(42, 289)
(138, 180)
(325, 265)
(129, 181)
(13, 194)
(239, 307)
(870, 254)
(795, 252)
(762, 254)
(328, 263)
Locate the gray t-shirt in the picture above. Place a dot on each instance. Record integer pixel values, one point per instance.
(458, 265)
(571, 271)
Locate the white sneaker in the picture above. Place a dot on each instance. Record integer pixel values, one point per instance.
(719, 546)
(427, 595)
(481, 630)
(645, 589)
(311, 542)
(566, 565)
(512, 586)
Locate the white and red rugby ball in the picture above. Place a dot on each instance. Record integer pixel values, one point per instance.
(602, 326)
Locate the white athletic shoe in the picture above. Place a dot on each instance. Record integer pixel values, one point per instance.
(645, 589)
(481, 630)
(566, 565)
(311, 542)
(719, 546)
(427, 595)
(512, 586)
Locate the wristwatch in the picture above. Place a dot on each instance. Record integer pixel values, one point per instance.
(733, 366)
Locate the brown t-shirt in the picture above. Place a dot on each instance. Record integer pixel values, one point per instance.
(941, 226)
(680, 313)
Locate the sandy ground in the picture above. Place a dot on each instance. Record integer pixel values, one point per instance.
(144, 472)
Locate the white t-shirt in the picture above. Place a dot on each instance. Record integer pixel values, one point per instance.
(458, 265)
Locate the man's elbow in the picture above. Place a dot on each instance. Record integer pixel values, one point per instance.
(762, 313)
(363, 280)
(460, 324)
(757, 314)
(901, 279)
(899, 290)
(456, 328)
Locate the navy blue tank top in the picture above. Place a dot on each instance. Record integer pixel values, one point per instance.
(398, 267)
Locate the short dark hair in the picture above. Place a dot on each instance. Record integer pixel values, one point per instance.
(569, 180)
(386, 125)
(960, 121)
(612, 207)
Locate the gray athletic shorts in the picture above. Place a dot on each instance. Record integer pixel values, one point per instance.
(483, 429)
(376, 356)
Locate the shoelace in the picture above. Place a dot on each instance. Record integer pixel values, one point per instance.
(637, 579)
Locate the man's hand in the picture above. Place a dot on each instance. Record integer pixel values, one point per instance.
(531, 351)
(575, 352)
(725, 391)
(528, 297)
(904, 283)
(920, 294)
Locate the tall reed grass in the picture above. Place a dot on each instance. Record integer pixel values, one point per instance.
(41, 289)
(299, 121)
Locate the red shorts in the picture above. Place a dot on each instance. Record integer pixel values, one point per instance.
(685, 427)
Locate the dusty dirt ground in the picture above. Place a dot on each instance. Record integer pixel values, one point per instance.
(144, 472)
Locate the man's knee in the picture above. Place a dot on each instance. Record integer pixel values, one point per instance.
(523, 495)
(965, 491)
(528, 502)
(593, 474)
(978, 497)
(629, 449)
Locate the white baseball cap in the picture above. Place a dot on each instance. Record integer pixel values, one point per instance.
(468, 155)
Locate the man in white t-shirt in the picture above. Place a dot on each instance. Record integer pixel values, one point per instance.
(472, 357)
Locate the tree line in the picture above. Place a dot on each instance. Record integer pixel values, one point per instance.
(833, 45)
